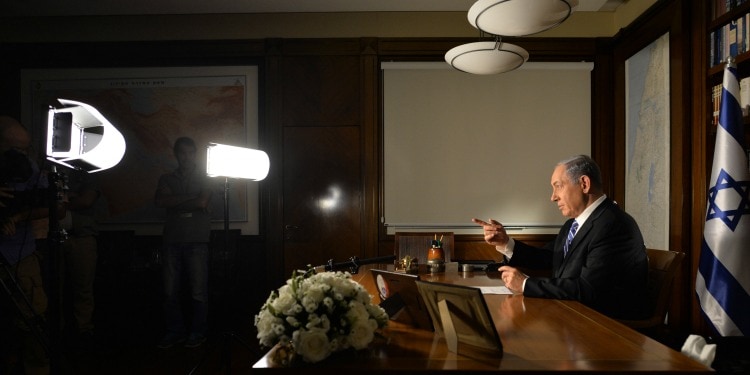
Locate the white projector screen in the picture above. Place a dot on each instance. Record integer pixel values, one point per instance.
(458, 145)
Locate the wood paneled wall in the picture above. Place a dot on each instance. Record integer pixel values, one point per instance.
(473, 247)
(320, 84)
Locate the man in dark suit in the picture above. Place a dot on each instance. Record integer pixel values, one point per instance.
(602, 262)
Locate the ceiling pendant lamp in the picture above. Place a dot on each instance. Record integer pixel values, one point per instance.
(486, 57)
(519, 17)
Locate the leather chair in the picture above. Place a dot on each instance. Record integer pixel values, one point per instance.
(417, 244)
(662, 267)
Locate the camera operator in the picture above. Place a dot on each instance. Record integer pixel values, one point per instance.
(22, 200)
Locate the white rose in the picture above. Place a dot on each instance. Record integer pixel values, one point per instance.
(361, 335)
(316, 292)
(378, 313)
(357, 312)
(363, 296)
(309, 303)
(312, 345)
(292, 321)
(266, 324)
(285, 302)
(345, 287)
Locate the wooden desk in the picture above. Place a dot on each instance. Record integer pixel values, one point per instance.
(538, 335)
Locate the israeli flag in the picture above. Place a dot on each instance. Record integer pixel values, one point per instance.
(723, 280)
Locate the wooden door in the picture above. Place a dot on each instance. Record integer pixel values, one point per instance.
(322, 195)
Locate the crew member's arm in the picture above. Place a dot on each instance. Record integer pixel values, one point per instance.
(166, 198)
(9, 222)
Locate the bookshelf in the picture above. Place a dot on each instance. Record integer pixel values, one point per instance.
(729, 32)
(728, 27)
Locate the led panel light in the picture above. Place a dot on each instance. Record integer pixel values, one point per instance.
(80, 137)
(236, 162)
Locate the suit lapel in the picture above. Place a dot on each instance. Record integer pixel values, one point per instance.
(579, 237)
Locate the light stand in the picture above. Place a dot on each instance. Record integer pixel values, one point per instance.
(78, 137)
(236, 163)
(226, 221)
(232, 162)
(56, 237)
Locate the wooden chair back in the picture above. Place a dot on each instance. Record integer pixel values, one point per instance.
(662, 268)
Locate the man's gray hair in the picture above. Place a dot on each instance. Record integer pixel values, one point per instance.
(583, 165)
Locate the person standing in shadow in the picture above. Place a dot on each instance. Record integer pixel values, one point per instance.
(185, 194)
(80, 254)
(24, 189)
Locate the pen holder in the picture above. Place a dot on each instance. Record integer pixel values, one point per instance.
(436, 259)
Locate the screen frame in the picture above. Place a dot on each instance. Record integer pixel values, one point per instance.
(400, 297)
(460, 314)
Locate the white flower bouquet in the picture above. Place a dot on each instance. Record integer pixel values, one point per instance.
(316, 314)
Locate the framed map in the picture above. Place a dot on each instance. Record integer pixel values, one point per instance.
(152, 107)
(647, 141)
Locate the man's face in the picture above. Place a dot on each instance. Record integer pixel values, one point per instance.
(569, 195)
(185, 155)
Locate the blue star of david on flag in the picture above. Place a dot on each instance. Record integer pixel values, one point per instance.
(729, 215)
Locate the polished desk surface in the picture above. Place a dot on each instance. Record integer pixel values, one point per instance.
(538, 335)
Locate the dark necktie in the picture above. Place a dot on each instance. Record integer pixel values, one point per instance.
(571, 234)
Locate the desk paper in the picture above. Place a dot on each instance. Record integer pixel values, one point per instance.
(495, 290)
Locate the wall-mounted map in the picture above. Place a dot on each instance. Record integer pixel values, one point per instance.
(647, 141)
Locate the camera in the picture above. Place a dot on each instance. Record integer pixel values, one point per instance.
(15, 167)
(15, 171)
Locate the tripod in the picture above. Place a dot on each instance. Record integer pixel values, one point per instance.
(227, 336)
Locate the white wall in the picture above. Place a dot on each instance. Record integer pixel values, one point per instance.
(458, 145)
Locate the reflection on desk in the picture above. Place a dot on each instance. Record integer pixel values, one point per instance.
(538, 335)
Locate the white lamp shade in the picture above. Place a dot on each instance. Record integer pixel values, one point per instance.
(486, 57)
(80, 137)
(519, 17)
(236, 162)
